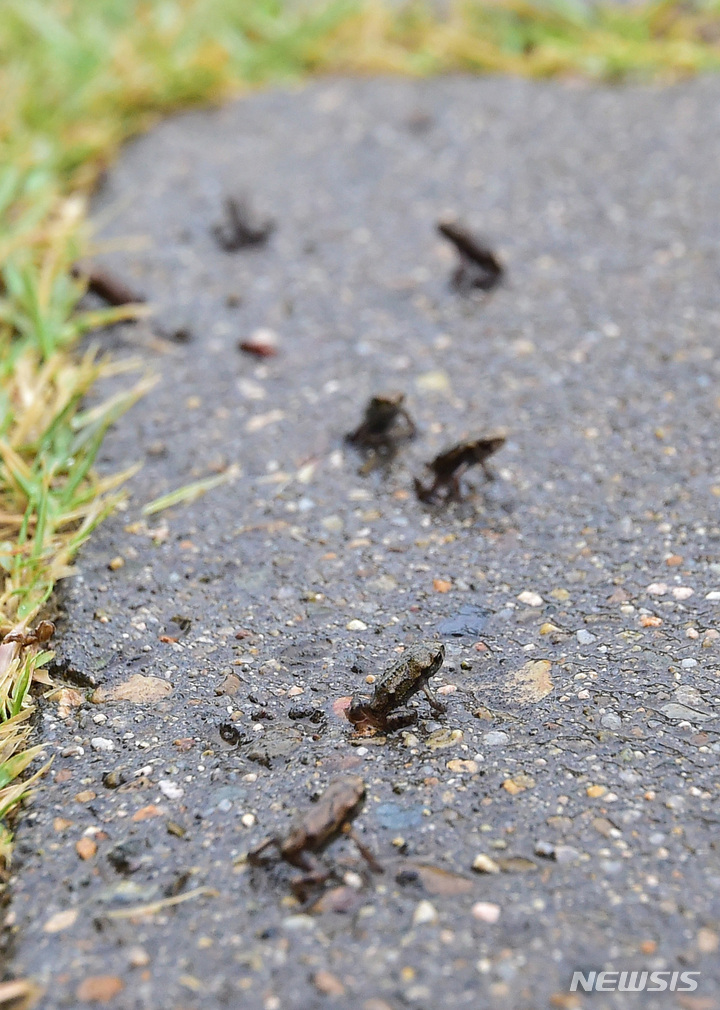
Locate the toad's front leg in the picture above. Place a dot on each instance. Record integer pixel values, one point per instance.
(435, 705)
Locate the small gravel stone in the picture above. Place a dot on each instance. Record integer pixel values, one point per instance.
(611, 721)
(545, 849)
(425, 912)
(170, 789)
(530, 598)
(74, 750)
(566, 854)
(138, 957)
(484, 864)
(101, 743)
(486, 911)
(584, 637)
(328, 984)
(356, 625)
(657, 589)
(296, 923)
(682, 592)
(495, 738)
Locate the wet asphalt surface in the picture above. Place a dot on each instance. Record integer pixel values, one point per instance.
(578, 753)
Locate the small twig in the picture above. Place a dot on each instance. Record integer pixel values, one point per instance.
(107, 286)
(157, 906)
(189, 492)
(20, 993)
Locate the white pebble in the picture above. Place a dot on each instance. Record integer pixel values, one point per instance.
(495, 738)
(485, 911)
(484, 864)
(714, 595)
(424, 912)
(356, 625)
(584, 637)
(611, 721)
(74, 750)
(170, 789)
(657, 589)
(248, 820)
(530, 598)
(102, 743)
(682, 592)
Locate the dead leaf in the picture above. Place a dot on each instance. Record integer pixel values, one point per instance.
(532, 682)
(68, 699)
(86, 847)
(138, 689)
(435, 880)
(99, 988)
(61, 920)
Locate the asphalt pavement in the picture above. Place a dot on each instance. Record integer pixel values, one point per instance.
(207, 652)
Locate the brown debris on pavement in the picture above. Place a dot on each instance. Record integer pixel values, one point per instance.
(107, 286)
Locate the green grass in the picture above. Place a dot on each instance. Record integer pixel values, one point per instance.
(77, 78)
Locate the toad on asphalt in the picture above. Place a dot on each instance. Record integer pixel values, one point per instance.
(404, 677)
(315, 828)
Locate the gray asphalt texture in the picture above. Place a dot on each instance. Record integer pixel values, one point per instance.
(590, 778)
